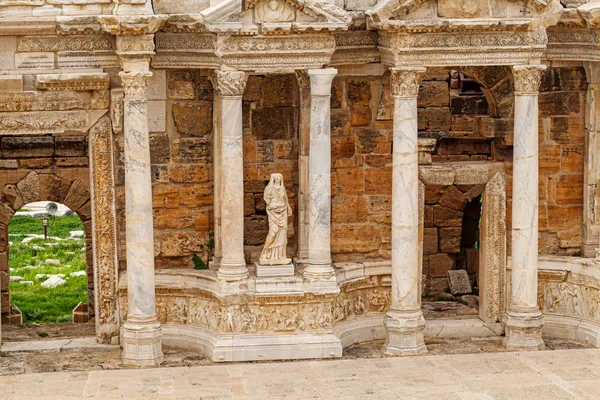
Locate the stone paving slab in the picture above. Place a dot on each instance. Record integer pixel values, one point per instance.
(547, 375)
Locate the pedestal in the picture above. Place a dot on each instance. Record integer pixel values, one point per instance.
(263, 271)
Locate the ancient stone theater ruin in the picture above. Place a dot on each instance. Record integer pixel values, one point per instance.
(376, 147)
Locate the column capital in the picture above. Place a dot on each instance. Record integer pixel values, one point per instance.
(135, 84)
(527, 78)
(406, 80)
(229, 83)
(320, 81)
(135, 52)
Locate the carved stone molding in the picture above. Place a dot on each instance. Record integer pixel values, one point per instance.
(135, 84)
(133, 25)
(116, 109)
(43, 122)
(405, 81)
(67, 43)
(528, 78)
(229, 83)
(75, 81)
(104, 230)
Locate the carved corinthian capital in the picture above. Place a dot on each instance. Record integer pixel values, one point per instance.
(405, 81)
(528, 78)
(135, 84)
(229, 83)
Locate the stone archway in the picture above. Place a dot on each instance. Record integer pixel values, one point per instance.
(489, 178)
(95, 205)
(44, 187)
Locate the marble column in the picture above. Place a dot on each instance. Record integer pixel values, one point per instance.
(303, 159)
(591, 176)
(404, 322)
(230, 86)
(319, 177)
(142, 331)
(524, 320)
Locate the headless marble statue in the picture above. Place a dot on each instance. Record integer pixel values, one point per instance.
(278, 211)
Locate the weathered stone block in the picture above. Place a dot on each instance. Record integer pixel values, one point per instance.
(202, 220)
(459, 282)
(378, 181)
(372, 141)
(350, 181)
(279, 90)
(288, 150)
(434, 94)
(29, 187)
(71, 146)
(446, 217)
(348, 209)
(256, 229)
(342, 147)
(440, 264)
(454, 199)
(27, 146)
(192, 150)
(564, 217)
(340, 124)
(253, 91)
(337, 93)
(179, 244)
(549, 159)
(198, 195)
(430, 241)
(70, 162)
(469, 105)
(274, 123)
(193, 119)
(165, 196)
(572, 158)
(434, 119)
(265, 151)
(159, 173)
(358, 91)
(567, 130)
(160, 149)
(450, 240)
(181, 85)
(204, 89)
(569, 189)
(559, 103)
(173, 218)
(360, 115)
(77, 196)
(190, 173)
(361, 238)
(428, 217)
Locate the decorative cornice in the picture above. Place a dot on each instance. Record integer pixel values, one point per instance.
(405, 81)
(135, 84)
(132, 25)
(76, 81)
(528, 78)
(229, 83)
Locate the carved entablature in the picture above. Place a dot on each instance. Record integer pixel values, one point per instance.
(577, 35)
(355, 47)
(181, 50)
(465, 32)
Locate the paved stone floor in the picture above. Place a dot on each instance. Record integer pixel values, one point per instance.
(547, 375)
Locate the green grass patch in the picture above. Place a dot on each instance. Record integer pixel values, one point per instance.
(39, 304)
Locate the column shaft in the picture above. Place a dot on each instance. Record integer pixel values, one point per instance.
(524, 319)
(142, 332)
(231, 85)
(405, 322)
(319, 176)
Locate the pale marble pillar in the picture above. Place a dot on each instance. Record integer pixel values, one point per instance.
(524, 320)
(142, 331)
(319, 175)
(230, 86)
(303, 159)
(404, 322)
(217, 144)
(591, 191)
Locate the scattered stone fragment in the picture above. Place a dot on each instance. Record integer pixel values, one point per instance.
(53, 281)
(41, 276)
(472, 300)
(77, 234)
(32, 267)
(16, 278)
(27, 283)
(38, 248)
(52, 261)
(82, 249)
(78, 273)
(459, 282)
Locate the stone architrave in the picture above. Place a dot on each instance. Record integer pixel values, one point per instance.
(230, 86)
(142, 332)
(273, 259)
(524, 320)
(319, 168)
(104, 227)
(404, 322)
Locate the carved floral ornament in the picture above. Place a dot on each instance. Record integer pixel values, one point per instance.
(405, 81)
(229, 83)
(135, 84)
(528, 78)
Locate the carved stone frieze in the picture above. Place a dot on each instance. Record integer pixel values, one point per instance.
(572, 43)
(43, 122)
(45, 101)
(355, 47)
(74, 81)
(116, 109)
(185, 50)
(135, 84)
(405, 81)
(528, 78)
(67, 43)
(104, 228)
(132, 24)
(229, 83)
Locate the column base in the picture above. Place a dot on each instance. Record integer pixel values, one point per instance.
(142, 342)
(320, 278)
(404, 333)
(523, 331)
(232, 273)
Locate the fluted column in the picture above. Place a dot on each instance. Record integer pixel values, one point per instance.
(319, 175)
(230, 86)
(404, 322)
(524, 320)
(142, 331)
